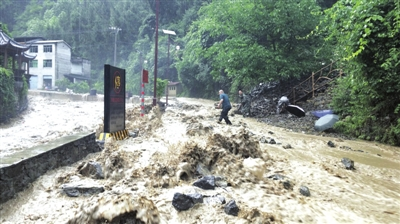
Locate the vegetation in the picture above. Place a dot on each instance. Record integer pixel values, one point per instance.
(79, 87)
(63, 84)
(161, 87)
(8, 99)
(243, 43)
(369, 45)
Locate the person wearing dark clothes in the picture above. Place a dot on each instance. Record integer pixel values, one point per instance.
(226, 107)
(282, 104)
(244, 104)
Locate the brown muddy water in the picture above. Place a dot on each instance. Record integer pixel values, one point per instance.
(142, 174)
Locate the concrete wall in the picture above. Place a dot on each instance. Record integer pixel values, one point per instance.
(20, 169)
(65, 96)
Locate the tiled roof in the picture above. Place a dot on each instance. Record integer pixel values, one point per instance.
(6, 41)
(173, 83)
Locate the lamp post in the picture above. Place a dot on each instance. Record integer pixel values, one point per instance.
(169, 33)
(116, 30)
(155, 57)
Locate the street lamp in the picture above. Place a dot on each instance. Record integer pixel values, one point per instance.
(116, 30)
(155, 56)
(169, 33)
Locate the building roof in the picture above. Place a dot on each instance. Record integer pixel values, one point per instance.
(28, 39)
(11, 45)
(28, 57)
(173, 83)
(50, 42)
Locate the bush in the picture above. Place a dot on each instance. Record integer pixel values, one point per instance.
(99, 86)
(161, 84)
(8, 99)
(80, 87)
(63, 84)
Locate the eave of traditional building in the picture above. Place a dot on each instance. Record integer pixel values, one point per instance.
(11, 45)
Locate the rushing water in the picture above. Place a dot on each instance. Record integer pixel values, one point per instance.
(368, 194)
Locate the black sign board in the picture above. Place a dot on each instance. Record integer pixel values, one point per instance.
(114, 99)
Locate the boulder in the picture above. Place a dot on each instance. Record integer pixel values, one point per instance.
(91, 169)
(305, 191)
(348, 163)
(231, 208)
(76, 190)
(206, 183)
(182, 202)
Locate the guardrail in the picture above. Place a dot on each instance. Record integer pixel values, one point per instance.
(315, 82)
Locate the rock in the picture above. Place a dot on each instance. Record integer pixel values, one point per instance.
(348, 163)
(331, 144)
(134, 134)
(231, 208)
(277, 177)
(91, 169)
(288, 146)
(76, 190)
(182, 202)
(221, 182)
(206, 183)
(272, 141)
(287, 185)
(216, 199)
(196, 198)
(346, 148)
(263, 140)
(305, 191)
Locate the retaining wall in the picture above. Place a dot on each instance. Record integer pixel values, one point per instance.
(20, 169)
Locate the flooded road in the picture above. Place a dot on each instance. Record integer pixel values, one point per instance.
(144, 176)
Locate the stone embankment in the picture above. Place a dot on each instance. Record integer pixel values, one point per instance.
(20, 169)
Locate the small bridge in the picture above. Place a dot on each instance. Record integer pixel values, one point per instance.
(318, 81)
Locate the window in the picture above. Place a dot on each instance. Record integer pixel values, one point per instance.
(47, 64)
(33, 49)
(47, 48)
(33, 64)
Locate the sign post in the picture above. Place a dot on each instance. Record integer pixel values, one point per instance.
(114, 103)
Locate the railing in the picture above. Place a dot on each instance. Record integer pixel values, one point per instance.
(315, 82)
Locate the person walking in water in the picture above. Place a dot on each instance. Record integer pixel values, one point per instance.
(244, 104)
(226, 107)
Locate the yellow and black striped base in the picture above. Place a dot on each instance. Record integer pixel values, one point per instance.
(119, 135)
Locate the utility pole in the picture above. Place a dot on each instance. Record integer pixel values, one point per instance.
(169, 33)
(155, 57)
(116, 30)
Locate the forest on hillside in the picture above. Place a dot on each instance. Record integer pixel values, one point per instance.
(233, 44)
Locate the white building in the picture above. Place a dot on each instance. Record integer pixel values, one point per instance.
(54, 62)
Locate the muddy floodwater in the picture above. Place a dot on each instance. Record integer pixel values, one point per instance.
(260, 167)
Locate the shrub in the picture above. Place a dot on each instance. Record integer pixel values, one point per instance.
(8, 99)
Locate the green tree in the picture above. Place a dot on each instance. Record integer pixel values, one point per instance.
(247, 42)
(161, 85)
(369, 44)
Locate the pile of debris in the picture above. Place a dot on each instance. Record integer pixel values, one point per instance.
(264, 98)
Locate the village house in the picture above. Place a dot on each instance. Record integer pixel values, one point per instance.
(174, 89)
(53, 61)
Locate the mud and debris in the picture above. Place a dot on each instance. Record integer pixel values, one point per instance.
(148, 178)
